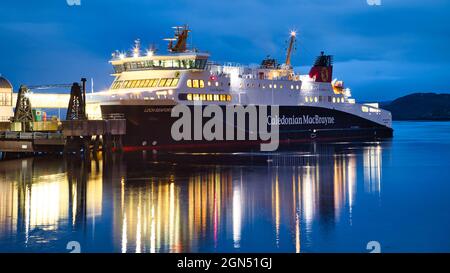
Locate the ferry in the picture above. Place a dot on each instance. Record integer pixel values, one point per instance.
(311, 107)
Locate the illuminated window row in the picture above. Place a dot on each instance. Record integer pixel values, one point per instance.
(147, 83)
(161, 64)
(321, 98)
(313, 99)
(216, 84)
(271, 86)
(205, 97)
(338, 100)
(195, 83)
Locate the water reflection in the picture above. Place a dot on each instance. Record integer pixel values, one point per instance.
(126, 204)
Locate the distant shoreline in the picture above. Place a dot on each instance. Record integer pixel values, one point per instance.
(420, 107)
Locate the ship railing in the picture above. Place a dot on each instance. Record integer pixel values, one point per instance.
(113, 116)
(30, 135)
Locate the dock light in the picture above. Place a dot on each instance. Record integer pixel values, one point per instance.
(28, 95)
(121, 56)
(149, 53)
(213, 78)
(136, 54)
(293, 33)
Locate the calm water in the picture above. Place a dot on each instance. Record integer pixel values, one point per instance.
(321, 198)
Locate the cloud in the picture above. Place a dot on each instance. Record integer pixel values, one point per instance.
(381, 51)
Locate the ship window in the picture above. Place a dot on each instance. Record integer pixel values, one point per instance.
(175, 82)
(365, 109)
(217, 84)
(334, 100)
(306, 99)
(315, 99)
(342, 100)
(281, 86)
(5, 99)
(297, 87)
(202, 84)
(195, 84)
(205, 97)
(270, 86)
(118, 68)
(209, 83)
(292, 86)
(189, 83)
(200, 64)
(176, 64)
(162, 82)
(168, 83)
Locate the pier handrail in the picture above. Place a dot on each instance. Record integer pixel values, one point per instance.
(113, 116)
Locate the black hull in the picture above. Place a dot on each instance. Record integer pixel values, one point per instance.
(149, 128)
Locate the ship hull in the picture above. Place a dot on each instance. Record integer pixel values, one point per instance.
(149, 128)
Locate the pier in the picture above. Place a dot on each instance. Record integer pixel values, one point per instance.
(24, 135)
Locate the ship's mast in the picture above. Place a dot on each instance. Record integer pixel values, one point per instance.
(181, 36)
(290, 48)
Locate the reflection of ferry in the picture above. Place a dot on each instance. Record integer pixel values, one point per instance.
(147, 85)
(138, 206)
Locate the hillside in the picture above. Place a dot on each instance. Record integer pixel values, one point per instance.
(420, 106)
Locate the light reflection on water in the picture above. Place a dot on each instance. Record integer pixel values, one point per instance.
(322, 198)
(141, 205)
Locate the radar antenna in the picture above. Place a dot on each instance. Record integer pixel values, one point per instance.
(181, 36)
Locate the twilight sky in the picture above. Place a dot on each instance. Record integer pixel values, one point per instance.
(381, 52)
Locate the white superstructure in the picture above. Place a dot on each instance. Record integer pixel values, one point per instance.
(186, 76)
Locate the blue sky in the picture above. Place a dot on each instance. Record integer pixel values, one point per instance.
(381, 52)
